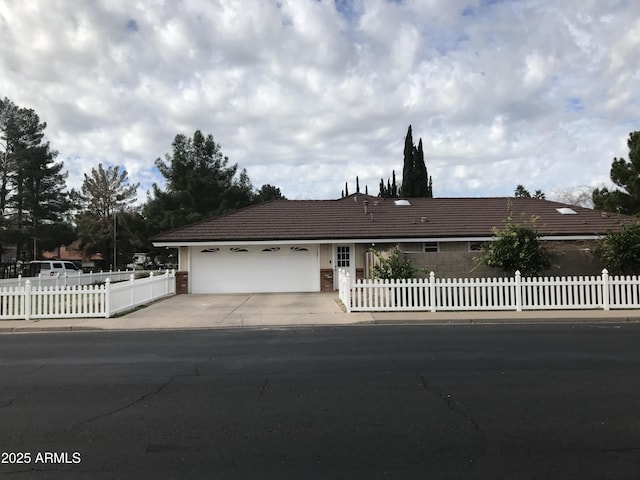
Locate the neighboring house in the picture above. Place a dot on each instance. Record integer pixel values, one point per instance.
(299, 245)
(74, 253)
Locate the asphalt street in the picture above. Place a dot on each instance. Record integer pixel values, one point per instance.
(349, 402)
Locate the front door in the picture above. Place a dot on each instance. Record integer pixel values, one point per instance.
(343, 260)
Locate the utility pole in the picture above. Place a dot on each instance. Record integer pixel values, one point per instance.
(115, 237)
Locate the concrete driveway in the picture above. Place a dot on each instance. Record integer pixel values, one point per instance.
(192, 311)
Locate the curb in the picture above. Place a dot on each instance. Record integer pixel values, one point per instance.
(506, 321)
(380, 322)
(50, 329)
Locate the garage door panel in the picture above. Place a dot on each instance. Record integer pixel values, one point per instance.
(258, 269)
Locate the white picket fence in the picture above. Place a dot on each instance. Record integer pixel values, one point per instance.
(31, 301)
(509, 293)
(64, 279)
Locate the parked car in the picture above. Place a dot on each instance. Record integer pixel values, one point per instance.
(52, 267)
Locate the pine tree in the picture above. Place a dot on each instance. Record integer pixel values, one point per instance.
(31, 183)
(626, 175)
(200, 184)
(104, 194)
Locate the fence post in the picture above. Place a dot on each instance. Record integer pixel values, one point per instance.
(27, 300)
(605, 289)
(132, 280)
(107, 298)
(432, 291)
(347, 284)
(518, 292)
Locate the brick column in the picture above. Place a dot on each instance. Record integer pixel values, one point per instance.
(326, 280)
(182, 282)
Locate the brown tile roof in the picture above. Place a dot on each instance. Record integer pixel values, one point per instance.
(424, 218)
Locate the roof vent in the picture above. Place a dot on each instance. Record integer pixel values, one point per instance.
(402, 202)
(566, 211)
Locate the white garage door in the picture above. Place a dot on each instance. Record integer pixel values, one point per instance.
(255, 269)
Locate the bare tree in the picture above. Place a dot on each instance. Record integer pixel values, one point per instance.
(579, 195)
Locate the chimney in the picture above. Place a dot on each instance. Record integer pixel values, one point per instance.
(366, 204)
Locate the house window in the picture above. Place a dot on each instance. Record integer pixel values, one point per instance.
(343, 256)
(271, 249)
(210, 250)
(299, 249)
(430, 247)
(238, 249)
(476, 246)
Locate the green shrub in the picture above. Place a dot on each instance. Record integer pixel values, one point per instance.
(517, 247)
(620, 251)
(392, 266)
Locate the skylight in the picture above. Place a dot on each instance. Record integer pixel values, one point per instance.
(566, 211)
(402, 202)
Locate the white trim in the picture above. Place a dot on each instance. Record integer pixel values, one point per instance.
(572, 237)
(363, 240)
(352, 263)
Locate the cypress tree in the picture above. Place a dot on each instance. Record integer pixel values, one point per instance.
(394, 187)
(415, 179)
(408, 165)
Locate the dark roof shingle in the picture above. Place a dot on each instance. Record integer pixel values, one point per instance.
(424, 218)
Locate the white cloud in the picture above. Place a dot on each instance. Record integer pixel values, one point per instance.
(306, 94)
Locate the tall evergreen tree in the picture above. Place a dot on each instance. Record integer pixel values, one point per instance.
(626, 175)
(394, 186)
(415, 179)
(382, 193)
(407, 189)
(31, 182)
(391, 189)
(200, 184)
(103, 195)
(268, 192)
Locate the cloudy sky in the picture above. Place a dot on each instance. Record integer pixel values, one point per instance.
(308, 94)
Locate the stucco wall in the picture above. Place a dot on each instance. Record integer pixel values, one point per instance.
(183, 258)
(455, 260)
(326, 256)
